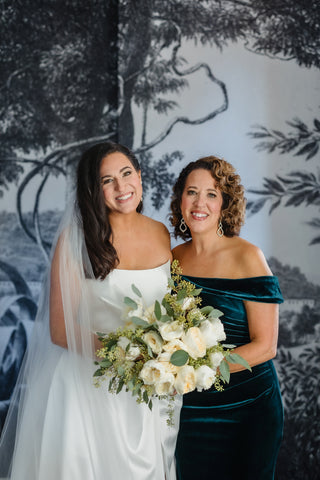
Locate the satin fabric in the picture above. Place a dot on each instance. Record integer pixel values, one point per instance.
(234, 434)
(89, 433)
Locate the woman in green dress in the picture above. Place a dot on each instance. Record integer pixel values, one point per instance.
(234, 434)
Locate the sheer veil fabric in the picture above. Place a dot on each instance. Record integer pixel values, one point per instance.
(65, 428)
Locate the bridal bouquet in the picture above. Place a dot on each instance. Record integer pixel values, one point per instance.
(173, 346)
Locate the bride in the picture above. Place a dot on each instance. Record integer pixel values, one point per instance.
(66, 428)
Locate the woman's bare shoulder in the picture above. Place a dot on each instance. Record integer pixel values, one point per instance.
(251, 259)
(179, 251)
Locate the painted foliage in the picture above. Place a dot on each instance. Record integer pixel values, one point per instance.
(174, 80)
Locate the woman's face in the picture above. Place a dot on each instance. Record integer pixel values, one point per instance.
(121, 183)
(201, 202)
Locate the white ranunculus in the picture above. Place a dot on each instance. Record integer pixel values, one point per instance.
(154, 341)
(219, 329)
(195, 342)
(133, 351)
(164, 358)
(185, 380)
(215, 359)
(205, 377)
(166, 385)
(187, 303)
(152, 372)
(171, 330)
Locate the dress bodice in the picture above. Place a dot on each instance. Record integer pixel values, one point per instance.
(228, 295)
(106, 297)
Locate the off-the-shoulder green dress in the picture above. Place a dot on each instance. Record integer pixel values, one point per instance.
(234, 434)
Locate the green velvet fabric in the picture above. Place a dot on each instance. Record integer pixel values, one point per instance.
(234, 434)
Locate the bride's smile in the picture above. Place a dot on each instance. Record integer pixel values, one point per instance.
(121, 183)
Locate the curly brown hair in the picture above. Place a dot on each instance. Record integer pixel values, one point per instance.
(228, 181)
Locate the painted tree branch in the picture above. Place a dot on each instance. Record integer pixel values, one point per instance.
(184, 119)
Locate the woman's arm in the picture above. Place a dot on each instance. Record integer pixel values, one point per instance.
(263, 330)
(263, 318)
(57, 324)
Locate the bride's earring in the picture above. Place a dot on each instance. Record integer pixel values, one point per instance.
(183, 227)
(220, 231)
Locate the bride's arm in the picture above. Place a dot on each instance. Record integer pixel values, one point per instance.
(57, 323)
(72, 288)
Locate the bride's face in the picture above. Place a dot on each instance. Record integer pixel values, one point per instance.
(121, 183)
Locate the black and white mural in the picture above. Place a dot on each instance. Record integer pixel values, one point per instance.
(174, 80)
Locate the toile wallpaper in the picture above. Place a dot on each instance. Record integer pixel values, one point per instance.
(174, 80)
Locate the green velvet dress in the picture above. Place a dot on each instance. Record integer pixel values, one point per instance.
(234, 434)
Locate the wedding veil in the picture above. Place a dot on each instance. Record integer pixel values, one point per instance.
(26, 416)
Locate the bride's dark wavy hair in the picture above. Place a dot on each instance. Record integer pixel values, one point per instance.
(94, 212)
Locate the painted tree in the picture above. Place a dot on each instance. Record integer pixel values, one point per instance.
(71, 72)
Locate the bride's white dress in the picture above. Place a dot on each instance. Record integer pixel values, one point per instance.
(89, 433)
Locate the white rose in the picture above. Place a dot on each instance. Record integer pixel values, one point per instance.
(166, 385)
(154, 341)
(205, 377)
(152, 372)
(195, 342)
(173, 346)
(171, 330)
(185, 380)
(133, 351)
(215, 359)
(209, 333)
(187, 303)
(219, 329)
(164, 358)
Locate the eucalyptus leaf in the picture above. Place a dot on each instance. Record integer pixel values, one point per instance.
(196, 291)
(206, 310)
(225, 371)
(165, 318)
(120, 370)
(157, 310)
(150, 353)
(145, 397)
(168, 307)
(136, 389)
(111, 383)
(111, 343)
(181, 295)
(136, 290)
(140, 322)
(130, 384)
(131, 303)
(179, 358)
(228, 345)
(98, 373)
(150, 404)
(171, 283)
(120, 385)
(105, 363)
(215, 313)
(235, 358)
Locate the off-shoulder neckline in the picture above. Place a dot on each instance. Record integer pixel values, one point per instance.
(232, 279)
